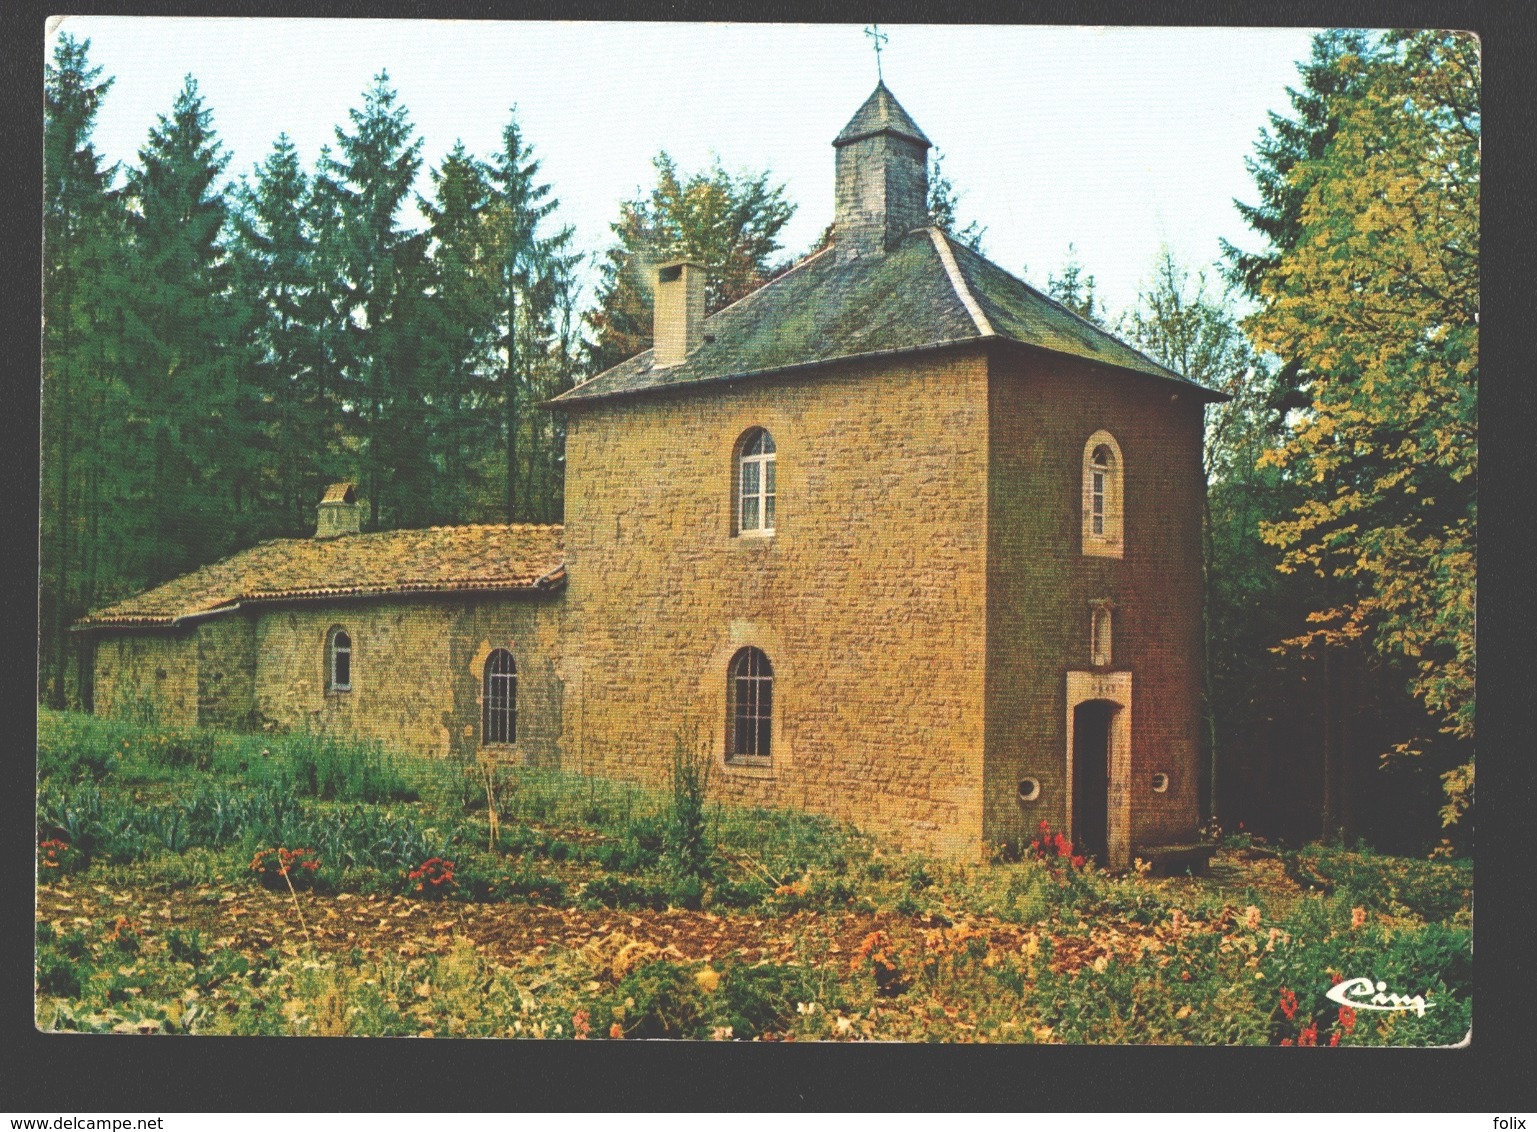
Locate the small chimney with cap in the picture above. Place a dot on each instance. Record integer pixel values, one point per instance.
(678, 328)
(339, 512)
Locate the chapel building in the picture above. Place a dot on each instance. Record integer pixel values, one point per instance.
(894, 538)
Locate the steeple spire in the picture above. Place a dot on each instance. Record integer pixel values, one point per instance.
(882, 177)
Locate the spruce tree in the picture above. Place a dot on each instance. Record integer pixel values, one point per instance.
(83, 284)
(944, 202)
(183, 370)
(1074, 289)
(459, 333)
(531, 272)
(273, 251)
(1282, 170)
(371, 265)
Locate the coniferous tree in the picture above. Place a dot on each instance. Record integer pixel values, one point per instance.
(273, 253)
(531, 272)
(944, 202)
(459, 334)
(183, 369)
(1281, 168)
(372, 270)
(83, 285)
(729, 223)
(1074, 289)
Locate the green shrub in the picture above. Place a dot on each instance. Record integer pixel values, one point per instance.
(59, 976)
(333, 770)
(621, 892)
(687, 852)
(668, 1002)
(74, 747)
(187, 946)
(748, 893)
(761, 999)
(1432, 890)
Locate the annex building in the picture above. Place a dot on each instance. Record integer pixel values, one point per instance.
(897, 537)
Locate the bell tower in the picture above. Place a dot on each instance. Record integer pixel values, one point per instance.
(882, 178)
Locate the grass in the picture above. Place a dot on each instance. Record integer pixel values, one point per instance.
(733, 923)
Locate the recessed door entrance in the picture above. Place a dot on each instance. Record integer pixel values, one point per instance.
(1091, 778)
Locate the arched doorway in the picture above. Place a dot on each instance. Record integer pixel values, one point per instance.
(1098, 756)
(1091, 778)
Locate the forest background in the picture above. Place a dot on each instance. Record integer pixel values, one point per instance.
(217, 351)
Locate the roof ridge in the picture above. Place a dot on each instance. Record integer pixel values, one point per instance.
(1090, 323)
(942, 247)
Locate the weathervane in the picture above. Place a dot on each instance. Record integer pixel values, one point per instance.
(877, 37)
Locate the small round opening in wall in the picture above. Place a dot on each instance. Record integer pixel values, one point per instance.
(1029, 789)
(1160, 783)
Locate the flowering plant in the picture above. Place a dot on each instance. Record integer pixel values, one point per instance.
(1055, 849)
(279, 868)
(433, 878)
(1308, 1034)
(56, 854)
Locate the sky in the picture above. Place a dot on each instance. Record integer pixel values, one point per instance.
(1116, 140)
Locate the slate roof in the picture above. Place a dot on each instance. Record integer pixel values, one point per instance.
(927, 291)
(881, 112)
(471, 559)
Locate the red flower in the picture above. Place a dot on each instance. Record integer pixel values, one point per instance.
(1288, 1004)
(1334, 1038)
(1347, 1018)
(1286, 1041)
(1309, 1035)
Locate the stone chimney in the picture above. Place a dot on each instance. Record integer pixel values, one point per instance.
(339, 512)
(883, 178)
(678, 328)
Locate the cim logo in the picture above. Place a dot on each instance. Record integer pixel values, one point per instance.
(1363, 994)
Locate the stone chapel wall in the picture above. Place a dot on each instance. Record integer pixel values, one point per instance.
(868, 599)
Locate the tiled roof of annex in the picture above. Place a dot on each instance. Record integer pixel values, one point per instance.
(469, 559)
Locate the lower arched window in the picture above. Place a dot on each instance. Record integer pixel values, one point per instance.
(339, 661)
(750, 707)
(499, 714)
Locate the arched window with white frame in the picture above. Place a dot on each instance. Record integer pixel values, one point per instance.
(750, 708)
(756, 468)
(338, 660)
(499, 699)
(1103, 496)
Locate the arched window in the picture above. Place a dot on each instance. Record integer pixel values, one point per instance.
(339, 661)
(499, 699)
(749, 707)
(1102, 496)
(755, 483)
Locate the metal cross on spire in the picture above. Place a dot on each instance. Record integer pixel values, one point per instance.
(877, 37)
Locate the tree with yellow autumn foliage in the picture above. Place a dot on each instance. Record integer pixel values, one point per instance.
(1377, 302)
